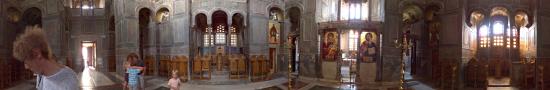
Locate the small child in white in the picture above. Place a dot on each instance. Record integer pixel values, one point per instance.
(174, 82)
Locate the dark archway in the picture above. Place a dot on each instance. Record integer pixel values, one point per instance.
(201, 25)
(144, 21)
(294, 14)
(112, 44)
(220, 29)
(200, 21)
(32, 17)
(236, 33)
(219, 18)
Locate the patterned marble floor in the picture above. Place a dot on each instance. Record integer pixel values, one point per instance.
(94, 80)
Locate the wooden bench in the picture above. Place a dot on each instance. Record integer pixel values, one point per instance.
(112, 63)
(241, 65)
(197, 63)
(264, 65)
(180, 64)
(219, 61)
(255, 65)
(529, 75)
(163, 68)
(149, 62)
(471, 72)
(3, 70)
(206, 62)
(450, 78)
(540, 78)
(233, 66)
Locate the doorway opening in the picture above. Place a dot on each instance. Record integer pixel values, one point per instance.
(89, 54)
(349, 42)
(295, 54)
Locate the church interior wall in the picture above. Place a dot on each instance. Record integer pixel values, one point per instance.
(177, 35)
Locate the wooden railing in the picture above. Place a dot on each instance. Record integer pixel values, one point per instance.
(237, 67)
(167, 64)
(13, 71)
(201, 66)
(149, 64)
(476, 74)
(3, 81)
(261, 67)
(528, 73)
(179, 64)
(449, 75)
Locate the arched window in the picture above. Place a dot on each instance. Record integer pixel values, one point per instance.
(353, 40)
(498, 34)
(334, 10)
(208, 37)
(483, 36)
(220, 34)
(87, 4)
(354, 10)
(233, 36)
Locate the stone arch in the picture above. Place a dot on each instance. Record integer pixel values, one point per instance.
(196, 13)
(411, 13)
(162, 15)
(274, 5)
(32, 16)
(241, 13)
(200, 21)
(219, 17)
(529, 15)
(294, 4)
(475, 11)
(500, 10)
(144, 19)
(238, 21)
(278, 11)
(295, 14)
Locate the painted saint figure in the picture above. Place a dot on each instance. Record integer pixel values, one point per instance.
(329, 47)
(273, 35)
(368, 49)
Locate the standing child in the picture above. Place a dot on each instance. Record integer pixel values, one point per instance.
(174, 82)
(132, 77)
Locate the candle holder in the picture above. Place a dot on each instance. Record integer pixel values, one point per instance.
(289, 71)
(404, 45)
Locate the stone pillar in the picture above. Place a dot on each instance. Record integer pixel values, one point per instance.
(450, 43)
(542, 18)
(308, 44)
(390, 60)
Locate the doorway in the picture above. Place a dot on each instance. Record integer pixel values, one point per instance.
(295, 54)
(349, 41)
(89, 54)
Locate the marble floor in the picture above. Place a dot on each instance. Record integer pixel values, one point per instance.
(93, 80)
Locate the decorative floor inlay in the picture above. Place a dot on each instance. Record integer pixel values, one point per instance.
(499, 81)
(272, 88)
(323, 88)
(296, 84)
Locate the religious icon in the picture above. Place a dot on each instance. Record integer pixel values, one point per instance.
(329, 47)
(273, 33)
(368, 47)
